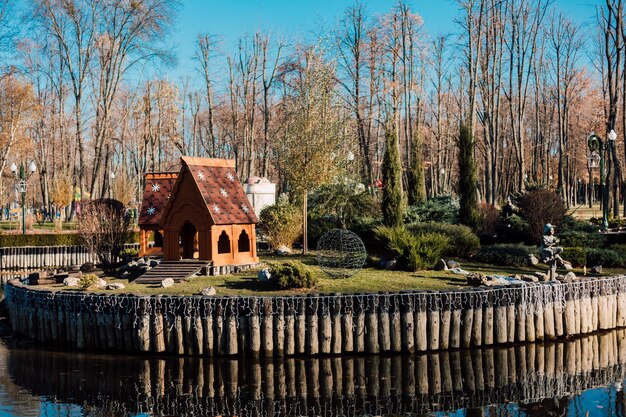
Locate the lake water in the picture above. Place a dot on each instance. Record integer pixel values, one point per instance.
(582, 377)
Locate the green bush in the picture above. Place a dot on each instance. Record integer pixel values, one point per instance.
(608, 258)
(436, 209)
(292, 274)
(412, 252)
(576, 255)
(428, 250)
(281, 223)
(505, 254)
(570, 223)
(515, 230)
(318, 225)
(88, 281)
(48, 239)
(64, 239)
(575, 238)
(463, 241)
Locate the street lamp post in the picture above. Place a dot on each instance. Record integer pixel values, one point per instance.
(21, 186)
(596, 144)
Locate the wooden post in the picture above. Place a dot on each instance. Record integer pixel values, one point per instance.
(467, 314)
(231, 327)
(359, 323)
(336, 325)
(290, 327)
(347, 338)
(488, 319)
(500, 315)
(395, 324)
(279, 327)
(312, 344)
(326, 326)
(255, 327)
(434, 307)
(477, 326)
(371, 325)
(408, 340)
(300, 326)
(420, 321)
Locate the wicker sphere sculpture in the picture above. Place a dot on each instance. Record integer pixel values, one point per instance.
(341, 253)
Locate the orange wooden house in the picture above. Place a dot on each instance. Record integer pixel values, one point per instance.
(156, 194)
(207, 216)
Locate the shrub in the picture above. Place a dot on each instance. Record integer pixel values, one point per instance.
(64, 239)
(463, 242)
(345, 201)
(582, 239)
(570, 223)
(606, 257)
(292, 274)
(318, 225)
(437, 209)
(488, 221)
(104, 227)
(412, 252)
(428, 250)
(576, 255)
(515, 230)
(281, 223)
(505, 254)
(539, 207)
(88, 281)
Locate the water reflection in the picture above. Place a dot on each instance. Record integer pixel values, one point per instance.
(540, 379)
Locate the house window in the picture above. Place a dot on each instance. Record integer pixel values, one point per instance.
(244, 242)
(223, 243)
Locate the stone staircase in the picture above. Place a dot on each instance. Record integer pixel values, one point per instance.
(177, 270)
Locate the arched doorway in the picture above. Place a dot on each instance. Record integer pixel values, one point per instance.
(188, 240)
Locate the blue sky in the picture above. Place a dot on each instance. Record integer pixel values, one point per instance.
(298, 19)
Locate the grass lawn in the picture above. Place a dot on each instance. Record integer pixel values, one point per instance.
(367, 280)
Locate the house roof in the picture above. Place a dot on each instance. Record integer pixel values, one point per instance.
(220, 189)
(159, 186)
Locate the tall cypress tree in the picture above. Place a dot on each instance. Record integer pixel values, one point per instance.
(417, 187)
(468, 210)
(392, 202)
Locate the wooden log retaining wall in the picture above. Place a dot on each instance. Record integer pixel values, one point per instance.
(36, 257)
(411, 321)
(330, 386)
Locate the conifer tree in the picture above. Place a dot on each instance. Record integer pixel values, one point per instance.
(392, 202)
(417, 187)
(468, 210)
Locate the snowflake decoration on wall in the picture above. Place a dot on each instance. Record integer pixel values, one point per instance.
(245, 208)
(216, 208)
(151, 211)
(156, 187)
(201, 175)
(230, 176)
(223, 192)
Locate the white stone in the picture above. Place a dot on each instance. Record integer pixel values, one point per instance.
(167, 282)
(116, 286)
(71, 281)
(101, 283)
(208, 291)
(283, 250)
(264, 274)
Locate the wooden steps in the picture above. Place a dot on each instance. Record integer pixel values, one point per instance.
(177, 270)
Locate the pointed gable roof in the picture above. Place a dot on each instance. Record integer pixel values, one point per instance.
(220, 189)
(156, 194)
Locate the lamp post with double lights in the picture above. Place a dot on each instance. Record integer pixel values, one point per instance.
(597, 144)
(21, 185)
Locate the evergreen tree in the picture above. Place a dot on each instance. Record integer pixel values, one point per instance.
(392, 203)
(468, 210)
(417, 187)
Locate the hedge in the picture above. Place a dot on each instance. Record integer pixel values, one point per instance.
(47, 239)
